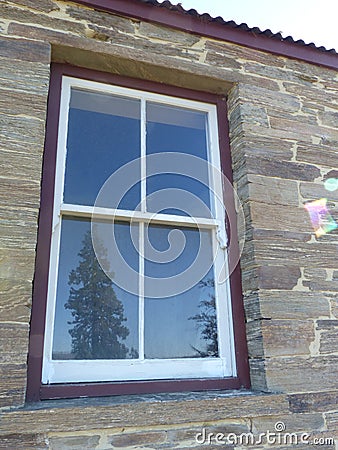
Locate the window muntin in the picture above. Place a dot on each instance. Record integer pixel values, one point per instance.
(138, 115)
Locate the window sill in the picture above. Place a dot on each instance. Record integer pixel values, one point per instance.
(141, 410)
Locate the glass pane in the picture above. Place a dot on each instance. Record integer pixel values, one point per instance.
(185, 191)
(182, 325)
(94, 318)
(103, 135)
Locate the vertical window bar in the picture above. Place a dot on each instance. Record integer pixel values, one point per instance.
(141, 290)
(141, 226)
(143, 156)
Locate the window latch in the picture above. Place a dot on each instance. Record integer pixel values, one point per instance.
(221, 237)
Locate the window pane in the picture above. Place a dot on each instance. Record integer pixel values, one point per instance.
(178, 130)
(103, 135)
(184, 324)
(94, 318)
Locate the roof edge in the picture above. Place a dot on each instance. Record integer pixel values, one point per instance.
(182, 20)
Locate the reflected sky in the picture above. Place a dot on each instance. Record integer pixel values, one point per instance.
(103, 135)
(170, 317)
(172, 129)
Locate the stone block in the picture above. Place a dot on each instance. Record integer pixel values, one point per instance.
(26, 16)
(278, 277)
(23, 441)
(186, 437)
(24, 50)
(296, 253)
(268, 98)
(70, 442)
(102, 19)
(81, 416)
(334, 307)
(293, 423)
(312, 402)
(18, 228)
(328, 342)
(295, 305)
(322, 285)
(16, 131)
(20, 192)
(153, 31)
(148, 439)
(247, 113)
(277, 235)
(315, 191)
(221, 60)
(17, 264)
(12, 387)
(315, 274)
(271, 338)
(297, 126)
(255, 145)
(17, 103)
(254, 336)
(332, 421)
(15, 300)
(280, 217)
(287, 374)
(274, 191)
(329, 118)
(272, 167)
(38, 5)
(13, 343)
(309, 154)
(24, 76)
(21, 165)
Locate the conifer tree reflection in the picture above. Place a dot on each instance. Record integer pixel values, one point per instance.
(98, 315)
(206, 321)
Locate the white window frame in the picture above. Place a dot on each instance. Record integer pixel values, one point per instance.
(65, 371)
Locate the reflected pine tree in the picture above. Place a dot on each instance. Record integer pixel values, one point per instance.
(206, 321)
(98, 315)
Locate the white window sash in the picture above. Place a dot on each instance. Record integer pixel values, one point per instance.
(58, 371)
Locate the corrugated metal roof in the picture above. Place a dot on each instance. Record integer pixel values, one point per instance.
(231, 24)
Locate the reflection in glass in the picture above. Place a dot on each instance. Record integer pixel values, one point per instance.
(183, 325)
(180, 130)
(103, 135)
(206, 319)
(94, 319)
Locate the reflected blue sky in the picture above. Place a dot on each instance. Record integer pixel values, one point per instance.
(98, 144)
(171, 129)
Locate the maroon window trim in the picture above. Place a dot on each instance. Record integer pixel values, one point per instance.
(195, 24)
(35, 389)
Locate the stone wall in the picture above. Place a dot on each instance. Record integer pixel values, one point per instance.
(284, 139)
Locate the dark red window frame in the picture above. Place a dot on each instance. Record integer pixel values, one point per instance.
(35, 389)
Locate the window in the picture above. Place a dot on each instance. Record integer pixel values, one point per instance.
(138, 282)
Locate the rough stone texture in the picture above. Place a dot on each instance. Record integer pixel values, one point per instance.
(280, 337)
(20, 441)
(284, 143)
(314, 402)
(74, 442)
(287, 373)
(287, 305)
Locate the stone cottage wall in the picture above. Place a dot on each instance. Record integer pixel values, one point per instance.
(283, 117)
